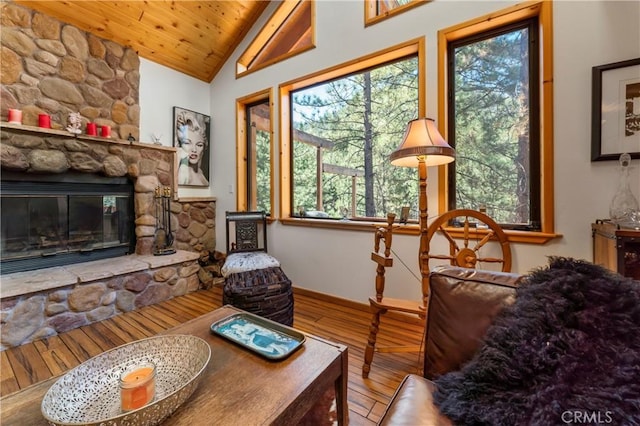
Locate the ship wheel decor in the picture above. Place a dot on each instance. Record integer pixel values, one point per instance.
(475, 235)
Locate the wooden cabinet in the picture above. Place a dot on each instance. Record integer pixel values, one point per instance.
(617, 249)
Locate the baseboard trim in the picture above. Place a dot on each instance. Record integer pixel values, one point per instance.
(354, 305)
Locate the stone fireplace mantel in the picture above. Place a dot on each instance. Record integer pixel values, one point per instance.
(28, 149)
(31, 149)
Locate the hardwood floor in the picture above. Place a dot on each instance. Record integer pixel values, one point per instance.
(340, 321)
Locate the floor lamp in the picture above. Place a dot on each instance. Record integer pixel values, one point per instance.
(423, 146)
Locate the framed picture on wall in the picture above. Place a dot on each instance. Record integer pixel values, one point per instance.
(615, 111)
(191, 134)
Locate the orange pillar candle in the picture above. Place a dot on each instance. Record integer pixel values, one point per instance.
(137, 386)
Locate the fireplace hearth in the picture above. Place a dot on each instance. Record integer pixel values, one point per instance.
(54, 220)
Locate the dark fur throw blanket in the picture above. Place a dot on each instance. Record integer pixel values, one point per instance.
(566, 352)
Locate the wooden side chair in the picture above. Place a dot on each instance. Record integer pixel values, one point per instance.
(253, 279)
(474, 231)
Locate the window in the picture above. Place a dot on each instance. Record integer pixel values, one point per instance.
(342, 126)
(288, 32)
(494, 126)
(255, 153)
(499, 117)
(378, 10)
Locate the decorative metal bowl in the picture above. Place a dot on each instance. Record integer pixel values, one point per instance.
(89, 394)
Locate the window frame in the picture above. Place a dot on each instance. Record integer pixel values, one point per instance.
(411, 47)
(267, 34)
(371, 15)
(242, 159)
(541, 10)
(531, 24)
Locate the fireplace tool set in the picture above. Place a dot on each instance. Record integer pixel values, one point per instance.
(163, 236)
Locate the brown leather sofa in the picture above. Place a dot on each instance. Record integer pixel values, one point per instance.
(462, 305)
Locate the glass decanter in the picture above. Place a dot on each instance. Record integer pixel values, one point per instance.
(624, 206)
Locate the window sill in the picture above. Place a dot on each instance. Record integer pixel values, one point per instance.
(515, 236)
(412, 229)
(351, 225)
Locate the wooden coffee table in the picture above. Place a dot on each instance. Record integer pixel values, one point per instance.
(237, 387)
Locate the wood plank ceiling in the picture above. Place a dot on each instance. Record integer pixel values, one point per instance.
(193, 37)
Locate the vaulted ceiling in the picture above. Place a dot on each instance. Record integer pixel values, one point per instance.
(193, 37)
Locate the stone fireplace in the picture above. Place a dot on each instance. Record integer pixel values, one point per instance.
(44, 302)
(52, 67)
(35, 154)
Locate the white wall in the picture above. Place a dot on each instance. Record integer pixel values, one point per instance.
(161, 89)
(586, 34)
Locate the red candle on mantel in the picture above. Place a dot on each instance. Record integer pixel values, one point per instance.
(92, 129)
(44, 121)
(15, 116)
(105, 131)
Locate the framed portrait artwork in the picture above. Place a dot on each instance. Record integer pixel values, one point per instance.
(191, 134)
(615, 111)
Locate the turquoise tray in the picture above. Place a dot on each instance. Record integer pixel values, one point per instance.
(267, 338)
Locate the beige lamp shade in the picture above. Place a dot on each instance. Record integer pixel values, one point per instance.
(422, 139)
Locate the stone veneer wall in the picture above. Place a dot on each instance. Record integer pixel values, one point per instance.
(55, 68)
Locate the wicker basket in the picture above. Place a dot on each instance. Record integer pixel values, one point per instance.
(266, 292)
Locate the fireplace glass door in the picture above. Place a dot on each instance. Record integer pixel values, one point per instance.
(50, 224)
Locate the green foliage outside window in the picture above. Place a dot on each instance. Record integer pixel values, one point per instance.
(492, 126)
(364, 116)
(263, 171)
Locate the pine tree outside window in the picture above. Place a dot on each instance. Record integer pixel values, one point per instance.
(494, 124)
(343, 132)
(255, 153)
(259, 156)
(495, 104)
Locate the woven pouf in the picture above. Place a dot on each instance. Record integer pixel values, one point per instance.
(265, 292)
